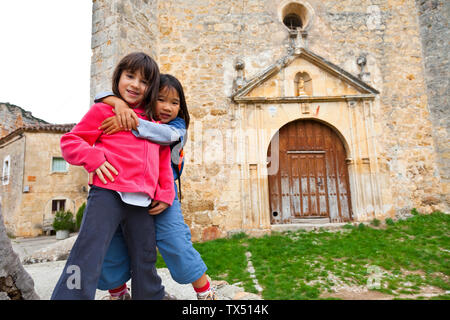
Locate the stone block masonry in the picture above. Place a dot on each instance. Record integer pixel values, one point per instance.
(200, 41)
(434, 16)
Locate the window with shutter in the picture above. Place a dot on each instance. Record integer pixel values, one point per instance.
(58, 205)
(59, 164)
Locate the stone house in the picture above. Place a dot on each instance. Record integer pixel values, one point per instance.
(35, 180)
(300, 109)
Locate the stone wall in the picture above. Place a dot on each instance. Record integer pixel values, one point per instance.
(199, 41)
(433, 19)
(45, 185)
(11, 193)
(119, 27)
(31, 167)
(387, 33)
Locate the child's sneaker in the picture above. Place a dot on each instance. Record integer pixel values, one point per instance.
(120, 293)
(125, 296)
(207, 295)
(168, 296)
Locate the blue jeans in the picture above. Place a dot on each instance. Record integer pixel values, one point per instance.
(105, 211)
(173, 239)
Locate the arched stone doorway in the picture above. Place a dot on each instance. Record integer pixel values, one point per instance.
(312, 180)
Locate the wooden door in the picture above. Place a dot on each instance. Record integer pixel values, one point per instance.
(312, 180)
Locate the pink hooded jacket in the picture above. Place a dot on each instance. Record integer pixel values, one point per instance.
(143, 166)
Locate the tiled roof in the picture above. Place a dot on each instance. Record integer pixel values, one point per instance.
(50, 127)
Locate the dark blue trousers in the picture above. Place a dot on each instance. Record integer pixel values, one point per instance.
(105, 211)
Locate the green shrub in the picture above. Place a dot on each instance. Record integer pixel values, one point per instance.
(64, 221)
(79, 216)
(239, 236)
(389, 221)
(375, 222)
(414, 212)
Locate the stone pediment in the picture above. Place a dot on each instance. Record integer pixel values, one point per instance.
(302, 77)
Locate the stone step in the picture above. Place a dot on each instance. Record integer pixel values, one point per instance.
(311, 220)
(307, 226)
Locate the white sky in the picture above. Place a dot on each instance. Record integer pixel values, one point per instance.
(45, 52)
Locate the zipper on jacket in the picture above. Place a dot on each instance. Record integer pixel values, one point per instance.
(145, 161)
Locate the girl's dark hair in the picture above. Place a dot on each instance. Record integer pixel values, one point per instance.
(140, 61)
(169, 81)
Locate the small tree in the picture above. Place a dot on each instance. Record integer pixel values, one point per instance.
(64, 221)
(79, 216)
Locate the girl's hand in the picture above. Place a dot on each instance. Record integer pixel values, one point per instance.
(157, 207)
(126, 117)
(103, 169)
(110, 125)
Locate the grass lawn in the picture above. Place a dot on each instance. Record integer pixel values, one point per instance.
(406, 259)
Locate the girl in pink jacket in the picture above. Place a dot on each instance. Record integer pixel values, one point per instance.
(130, 173)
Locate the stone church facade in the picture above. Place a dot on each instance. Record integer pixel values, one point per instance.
(328, 110)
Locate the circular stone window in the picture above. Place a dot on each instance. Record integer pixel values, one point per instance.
(293, 21)
(296, 14)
